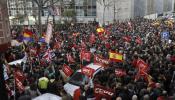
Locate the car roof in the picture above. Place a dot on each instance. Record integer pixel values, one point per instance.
(92, 66)
(16, 62)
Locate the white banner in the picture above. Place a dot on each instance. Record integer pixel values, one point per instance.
(48, 33)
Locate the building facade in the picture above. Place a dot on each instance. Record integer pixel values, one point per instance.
(26, 11)
(148, 7)
(104, 11)
(110, 10)
(85, 10)
(5, 37)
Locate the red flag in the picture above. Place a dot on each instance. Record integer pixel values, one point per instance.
(101, 61)
(138, 40)
(77, 94)
(126, 38)
(19, 78)
(92, 38)
(18, 74)
(87, 71)
(84, 55)
(103, 92)
(120, 72)
(19, 85)
(70, 59)
(142, 69)
(67, 70)
(107, 45)
(142, 66)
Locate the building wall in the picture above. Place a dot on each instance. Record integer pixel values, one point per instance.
(159, 6)
(85, 10)
(148, 7)
(4, 26)
(115, 9)
(139, 7)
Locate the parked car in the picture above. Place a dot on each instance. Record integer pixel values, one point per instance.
(79, 78)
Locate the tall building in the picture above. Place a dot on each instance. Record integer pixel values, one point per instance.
(4, 26)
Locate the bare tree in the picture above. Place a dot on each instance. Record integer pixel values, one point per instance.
(42, 4)
(105, 4)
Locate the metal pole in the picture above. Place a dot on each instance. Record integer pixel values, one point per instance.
(14, 89)
(53, 14)
(114, 11)
(39, 16)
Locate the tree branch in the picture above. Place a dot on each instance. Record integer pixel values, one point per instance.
(99, 1)
(45, 2)
(109, 4)
(52, 4)
(36, 1)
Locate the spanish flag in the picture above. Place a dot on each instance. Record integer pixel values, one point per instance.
(100, 30)
(117, 57)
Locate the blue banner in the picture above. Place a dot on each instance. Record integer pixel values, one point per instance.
(165, 35)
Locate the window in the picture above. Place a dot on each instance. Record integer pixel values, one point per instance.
(0, 26)
(1, 34)
(78, 79)
(80, 12)
(0, 14)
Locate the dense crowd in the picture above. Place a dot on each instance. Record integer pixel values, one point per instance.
(120, 37)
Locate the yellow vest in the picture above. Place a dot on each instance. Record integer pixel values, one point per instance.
(43, 82)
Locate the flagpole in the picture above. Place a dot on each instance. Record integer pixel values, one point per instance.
(81, 63)
(14, 88)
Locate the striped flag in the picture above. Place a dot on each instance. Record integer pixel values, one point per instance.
(117, 57)
(27, 36)
(48, 55)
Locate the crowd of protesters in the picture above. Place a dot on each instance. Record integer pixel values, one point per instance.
(120, 37)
